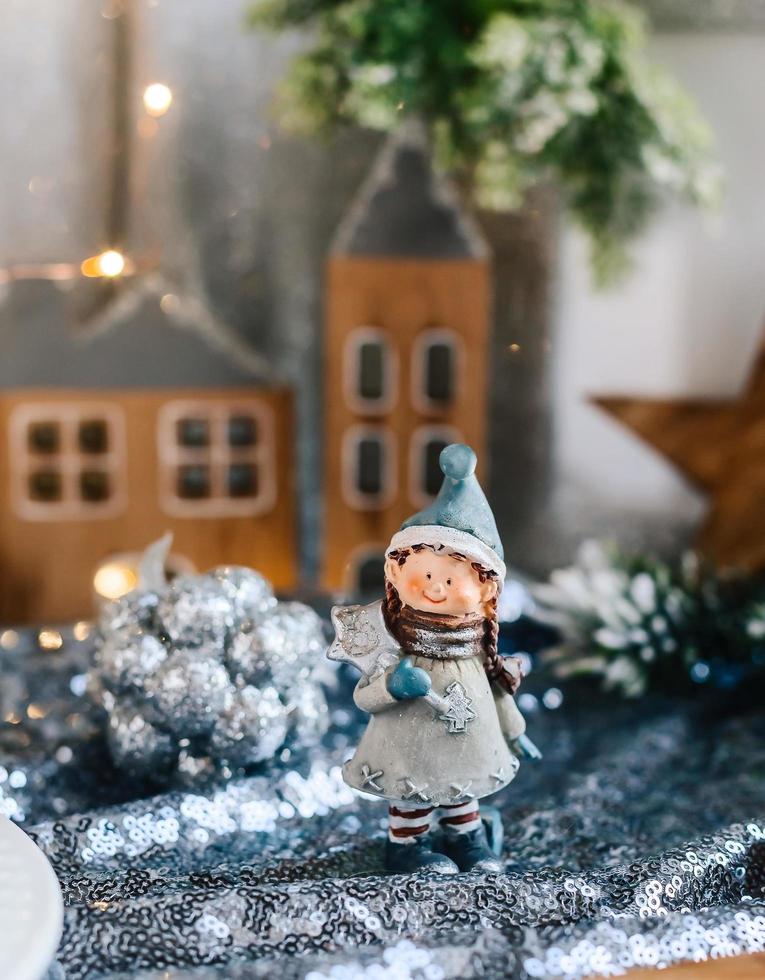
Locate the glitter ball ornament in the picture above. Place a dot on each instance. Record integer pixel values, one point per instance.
(130, 658)
(283, 645)
(137, 745)
(189, 691)
(195, 609)
(207, 676)
(248, 592)
(252, 728)
(132, 612)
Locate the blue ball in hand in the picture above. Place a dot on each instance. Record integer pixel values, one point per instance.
(407, 682)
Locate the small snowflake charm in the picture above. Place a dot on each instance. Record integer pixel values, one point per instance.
(358, 634)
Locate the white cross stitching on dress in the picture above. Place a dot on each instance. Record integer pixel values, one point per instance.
(462, 792)
(414, 792)
(370, 778)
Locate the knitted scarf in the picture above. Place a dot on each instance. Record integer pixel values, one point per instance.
(424, 634)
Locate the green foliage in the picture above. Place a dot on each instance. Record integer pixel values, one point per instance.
(514, 91)
(641, 624)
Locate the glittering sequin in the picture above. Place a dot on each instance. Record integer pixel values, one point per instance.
(639, 841)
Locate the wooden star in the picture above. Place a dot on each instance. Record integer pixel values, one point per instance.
(719, 445)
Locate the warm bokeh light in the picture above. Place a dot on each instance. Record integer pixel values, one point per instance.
(50, 640)
(108, 264)
(157, 99)
(9, 639)
(82, 631)
(115, 579)
(169, 304)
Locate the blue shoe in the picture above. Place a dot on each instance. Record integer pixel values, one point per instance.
(471, 852)
(417, 856)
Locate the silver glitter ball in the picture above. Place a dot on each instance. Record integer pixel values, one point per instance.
(282, 648)
(195, 610)
(135, 611)
(213, 667)
(138, 746)
(252, 729)
(250, 593)
(188, 692)
(308, 715)
(129, 659)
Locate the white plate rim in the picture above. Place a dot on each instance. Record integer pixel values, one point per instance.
(38, 937)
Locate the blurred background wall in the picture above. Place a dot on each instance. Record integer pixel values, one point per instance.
(687, 321)
(244, 215)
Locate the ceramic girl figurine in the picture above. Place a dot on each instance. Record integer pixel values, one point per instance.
(444, 728)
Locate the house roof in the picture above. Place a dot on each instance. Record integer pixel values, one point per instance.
(406, 209)
(136, 346)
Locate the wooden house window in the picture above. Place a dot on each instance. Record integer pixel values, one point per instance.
(217, 458)
(367, 572)
(425, 473)
(370, 373)
(369, 467)
(435, 371)
(68, 460)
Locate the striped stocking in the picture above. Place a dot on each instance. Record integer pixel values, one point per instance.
(407, 823)
(460, 818)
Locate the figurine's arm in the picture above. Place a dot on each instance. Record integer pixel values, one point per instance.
(511, 721)
(513, 726)
(373, 695)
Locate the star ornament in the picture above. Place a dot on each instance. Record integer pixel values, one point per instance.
(719, 446)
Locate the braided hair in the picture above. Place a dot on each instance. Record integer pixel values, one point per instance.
(504, 671)
(392, 604)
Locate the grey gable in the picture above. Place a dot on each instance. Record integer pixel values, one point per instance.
(144, 348)
(404, 209)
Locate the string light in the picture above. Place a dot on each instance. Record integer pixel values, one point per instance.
(157, 99)
(114, 579)
(106, 265)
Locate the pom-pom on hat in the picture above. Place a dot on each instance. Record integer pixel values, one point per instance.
(460, 518)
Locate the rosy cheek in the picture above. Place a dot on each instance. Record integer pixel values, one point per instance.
(413, 583)
(468, 597)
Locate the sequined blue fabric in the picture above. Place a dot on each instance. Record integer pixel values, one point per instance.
(640, 840)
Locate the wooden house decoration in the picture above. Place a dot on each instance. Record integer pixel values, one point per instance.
(407, 308)
(111, 439)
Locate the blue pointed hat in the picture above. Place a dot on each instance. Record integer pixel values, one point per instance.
(460, 518)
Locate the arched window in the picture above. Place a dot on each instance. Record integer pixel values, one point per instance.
(368, 467)
(369, 371)
(435, 370)
(425, 472)
(432, 477)
(370, 576)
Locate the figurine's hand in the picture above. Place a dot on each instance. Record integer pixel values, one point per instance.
(407, 682)
(524, 748)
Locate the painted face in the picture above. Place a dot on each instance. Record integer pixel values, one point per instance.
(440, 584)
